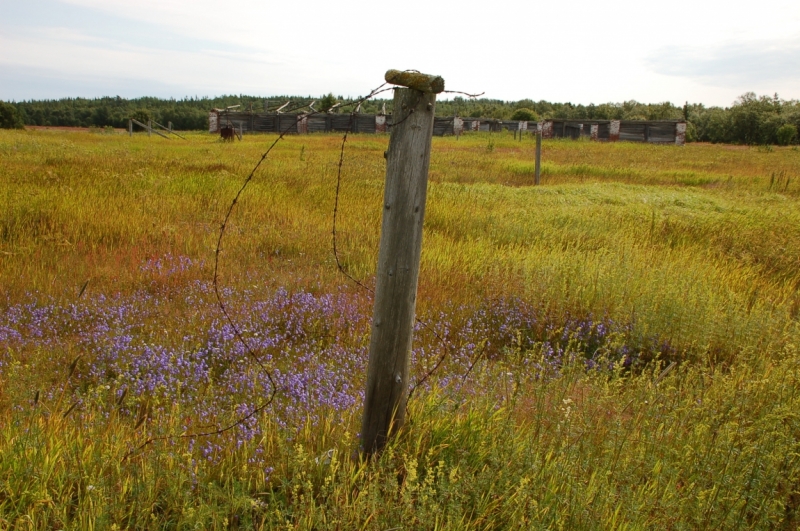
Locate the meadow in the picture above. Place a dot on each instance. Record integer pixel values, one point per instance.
(620, 343)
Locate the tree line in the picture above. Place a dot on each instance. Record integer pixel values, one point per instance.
(751, 119)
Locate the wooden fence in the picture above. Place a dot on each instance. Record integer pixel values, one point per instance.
(651, 131)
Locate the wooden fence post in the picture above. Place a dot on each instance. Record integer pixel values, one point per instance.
(130, 128)
(408, 158)
(538, 165)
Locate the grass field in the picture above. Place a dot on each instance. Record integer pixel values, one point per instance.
(561, 306)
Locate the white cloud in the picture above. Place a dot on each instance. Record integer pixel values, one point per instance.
(747, 65)
(72, 55)
(583, 51)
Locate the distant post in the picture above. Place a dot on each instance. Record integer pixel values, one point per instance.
(538, 165)
(408, 158)
(130, 127)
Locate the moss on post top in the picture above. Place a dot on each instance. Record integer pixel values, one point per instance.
(415, 80)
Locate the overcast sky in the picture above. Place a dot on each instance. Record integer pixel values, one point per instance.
(705, 51)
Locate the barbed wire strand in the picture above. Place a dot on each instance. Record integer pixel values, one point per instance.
(473, 96)
(218, 250)
(447, 345)
(220, 301)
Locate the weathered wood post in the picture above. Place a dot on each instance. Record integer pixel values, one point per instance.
(130, 127)
(407, 163)
(538, 164)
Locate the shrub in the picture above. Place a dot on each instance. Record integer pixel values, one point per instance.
(713, 126)
(753, 119)
(141, 115)
(691, 132)
(786, 133)
(327, 102)
(9, 117)
(525, 115)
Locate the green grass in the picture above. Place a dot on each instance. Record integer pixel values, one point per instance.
(696, 449)
(695, 247)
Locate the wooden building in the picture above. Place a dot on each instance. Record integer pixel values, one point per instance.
(651, 131)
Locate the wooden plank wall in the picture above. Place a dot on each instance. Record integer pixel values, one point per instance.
(652, 131)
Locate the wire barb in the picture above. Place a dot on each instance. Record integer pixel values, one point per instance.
(473, 96)
(251, 352)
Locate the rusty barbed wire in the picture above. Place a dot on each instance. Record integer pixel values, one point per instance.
(447, 344)
(473, 96)
(217, 293)
(336, 212)
(251, 352)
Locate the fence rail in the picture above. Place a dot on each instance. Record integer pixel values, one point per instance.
(651, 131)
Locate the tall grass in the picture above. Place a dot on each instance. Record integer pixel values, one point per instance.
(695, 449)
(692, 263)
(561, 305)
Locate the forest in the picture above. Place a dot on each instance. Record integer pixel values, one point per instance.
(750, 120)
